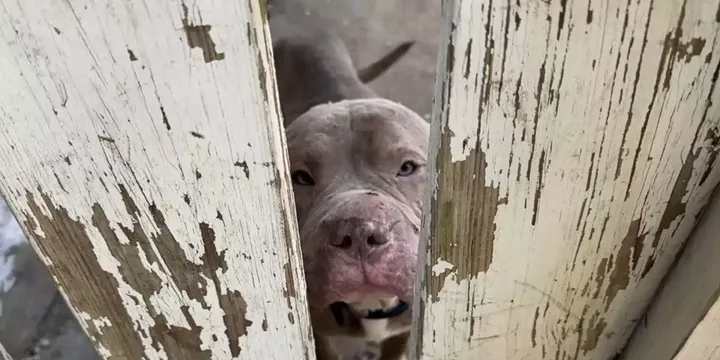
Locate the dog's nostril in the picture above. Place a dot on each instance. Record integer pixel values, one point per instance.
(346, 242)
(374, 240)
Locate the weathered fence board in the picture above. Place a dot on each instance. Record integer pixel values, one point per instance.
(3, 354)
(142, 150)
(574, 145)
(704, 341)
(691, 287)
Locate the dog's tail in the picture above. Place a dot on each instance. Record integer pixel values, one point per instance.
(372, 71)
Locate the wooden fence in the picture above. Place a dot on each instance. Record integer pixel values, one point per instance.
(574, 148)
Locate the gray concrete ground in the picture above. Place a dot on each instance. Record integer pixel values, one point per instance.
(36, 323)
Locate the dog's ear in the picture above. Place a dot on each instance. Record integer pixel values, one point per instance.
(379, 67)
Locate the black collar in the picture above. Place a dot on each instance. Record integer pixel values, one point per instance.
(338, 309)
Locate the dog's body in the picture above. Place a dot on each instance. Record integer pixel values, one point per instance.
(356, 162)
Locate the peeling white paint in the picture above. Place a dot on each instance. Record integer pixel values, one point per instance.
(98, 323)
(684, 298)
(583, 145)
(463, 108)
(80, 117)
(441, 266)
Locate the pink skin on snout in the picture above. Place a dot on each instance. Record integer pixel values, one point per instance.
(358, 171)
(370, 248)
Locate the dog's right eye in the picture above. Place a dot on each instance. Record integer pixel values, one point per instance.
(301, 177)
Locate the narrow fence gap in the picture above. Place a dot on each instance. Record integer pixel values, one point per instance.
(143, 153)
(573, 147)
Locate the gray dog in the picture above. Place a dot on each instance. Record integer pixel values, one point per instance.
(358, 171)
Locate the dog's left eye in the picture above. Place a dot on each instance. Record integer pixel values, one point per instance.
(302, 178)
(407, 168)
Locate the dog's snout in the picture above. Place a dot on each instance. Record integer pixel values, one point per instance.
(358, 234)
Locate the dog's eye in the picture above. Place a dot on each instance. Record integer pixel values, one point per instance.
(301, 177)
(407, 168)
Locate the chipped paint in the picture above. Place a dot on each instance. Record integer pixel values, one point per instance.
(441, 266)
(139, 220)
(685, 297)
(562, 183)
(198, 36)
(463, 132)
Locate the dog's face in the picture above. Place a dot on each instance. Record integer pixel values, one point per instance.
(358, 170)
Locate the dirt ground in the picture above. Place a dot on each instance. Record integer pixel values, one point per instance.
(35, 322)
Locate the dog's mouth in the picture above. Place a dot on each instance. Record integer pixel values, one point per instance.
(371, 308)
(375, 303)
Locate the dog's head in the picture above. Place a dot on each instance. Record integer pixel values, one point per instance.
(358, 171)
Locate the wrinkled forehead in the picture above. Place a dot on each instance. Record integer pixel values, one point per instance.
(369, 123)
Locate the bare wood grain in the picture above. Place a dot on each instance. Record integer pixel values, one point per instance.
(574, 144)
(141, 149)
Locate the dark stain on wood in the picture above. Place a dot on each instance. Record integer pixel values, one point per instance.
(57, 31)
(713, 139)
(536, 117)
(198, 36)
(488, 61)
(561, 18)
(626, 260)
(533, 333)
(76, 267)
(198, 175)
(165, 118)
(596, 327)
(649, 110)
(67, 160)
(180, 339)
(57, 178)
(186, 198)
(253, 40)
(672, 47)
(467, 58)
(676, 205)
(506, 35)
(600, 274)
(290, 290)
(538, 189)
(197, 135)
(628, 121)
(132, 55)
(105, 138)
(462, 231)
(244, 166)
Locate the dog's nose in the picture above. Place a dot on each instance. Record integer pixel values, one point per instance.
(358, 234)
